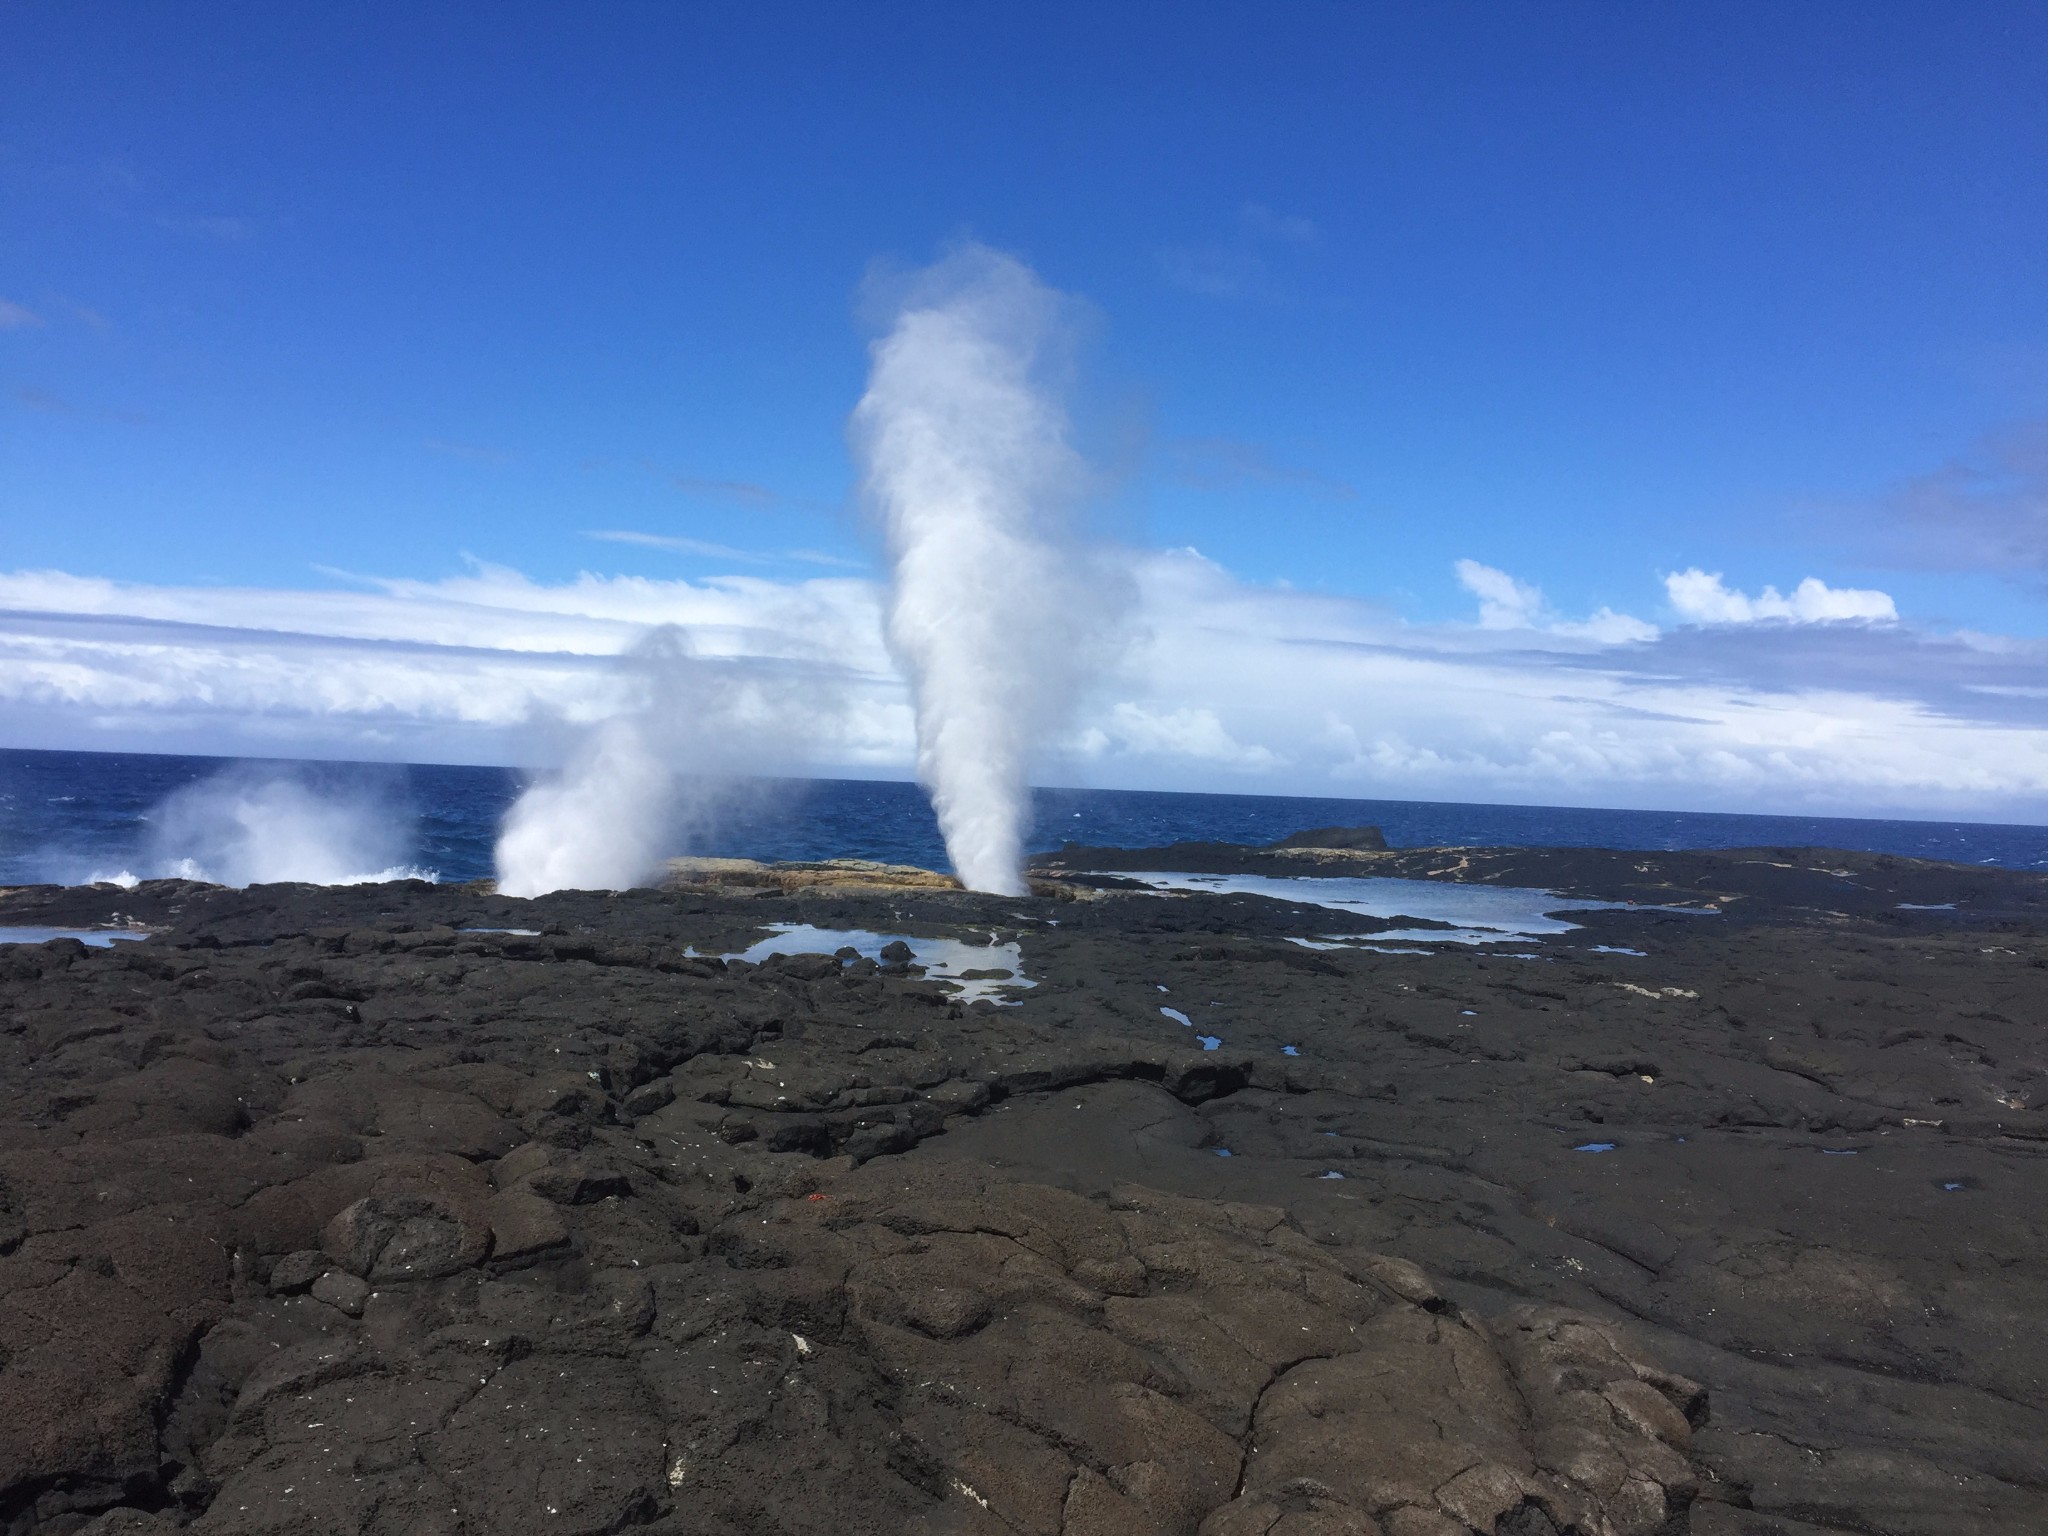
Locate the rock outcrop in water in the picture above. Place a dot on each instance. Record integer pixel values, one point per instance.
(348, 1210)
(1349, 839)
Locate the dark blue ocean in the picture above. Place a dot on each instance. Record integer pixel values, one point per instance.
(75, 816)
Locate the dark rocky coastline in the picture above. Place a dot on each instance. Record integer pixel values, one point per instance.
(323, 1211)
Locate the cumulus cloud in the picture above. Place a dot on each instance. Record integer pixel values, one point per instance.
(1702, 597)
(1230, 685)
(1197, 735)
(1506, 603)
(1606, 627)
(1843, 718)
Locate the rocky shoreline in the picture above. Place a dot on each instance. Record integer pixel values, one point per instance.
(413, 1208)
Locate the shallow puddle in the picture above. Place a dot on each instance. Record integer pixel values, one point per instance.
(1594, 1146)
(977, 972)
(1178, 1017)
(1480, 914)
(98, 938)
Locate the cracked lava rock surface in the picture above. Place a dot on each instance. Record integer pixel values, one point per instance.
(346, 1210)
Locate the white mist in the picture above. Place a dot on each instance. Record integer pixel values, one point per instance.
(254, 824)
(595, 826)
(969, 469)
(655, 780)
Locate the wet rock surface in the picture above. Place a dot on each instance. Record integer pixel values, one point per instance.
(322, 1210)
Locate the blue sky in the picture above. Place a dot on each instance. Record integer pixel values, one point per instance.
(300, 301)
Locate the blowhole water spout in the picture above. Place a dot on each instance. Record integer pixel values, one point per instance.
(970, 472)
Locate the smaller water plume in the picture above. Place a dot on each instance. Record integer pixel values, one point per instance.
(252, 824)
(595, 826)
(995, 610)
(654, 781)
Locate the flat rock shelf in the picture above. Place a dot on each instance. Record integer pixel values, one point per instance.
(407, 1208)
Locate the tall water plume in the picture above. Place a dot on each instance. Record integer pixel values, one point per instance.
(994, 607)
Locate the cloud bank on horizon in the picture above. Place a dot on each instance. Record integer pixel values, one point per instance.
(1819, 699)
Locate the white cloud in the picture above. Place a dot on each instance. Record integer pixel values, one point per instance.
(1505, 603)
(498, 609)
(679, 546)
(1702, 597)
(683, 546)
(1606, 627)
(17, 317)
(1228, 685)
(1191, 734)
(1349, 702)
(469, 666)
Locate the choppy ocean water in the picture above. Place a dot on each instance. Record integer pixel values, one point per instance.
(75, 816)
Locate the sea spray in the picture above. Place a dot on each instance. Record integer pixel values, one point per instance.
(658, 778)
(256, 823)
(994, 609)
(594, 826)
